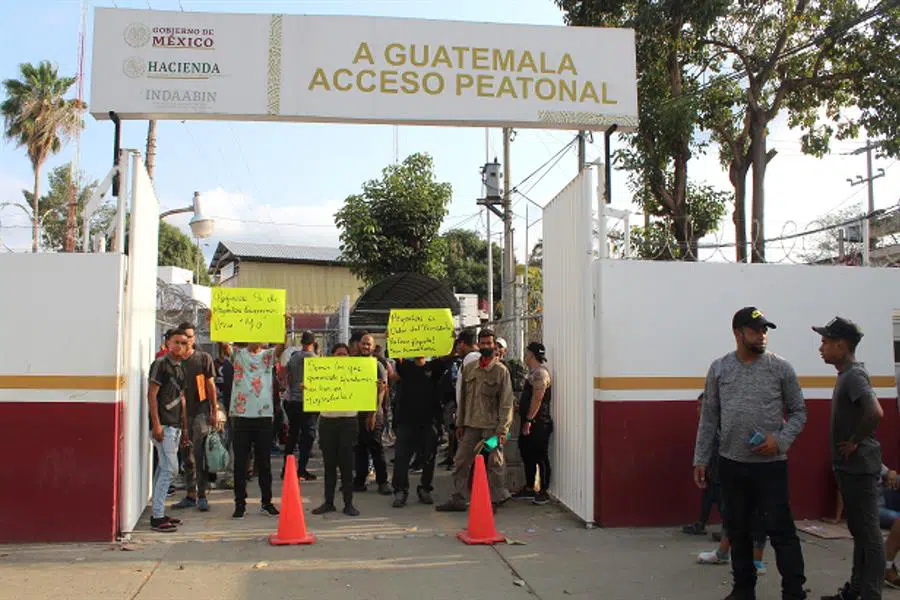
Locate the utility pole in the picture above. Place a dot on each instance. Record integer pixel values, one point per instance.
(490, 179)
(582, 156)
(509, 257)
(868, 242)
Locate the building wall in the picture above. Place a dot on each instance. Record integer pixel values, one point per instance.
(60, 385)
(659, 325)
(310, 288)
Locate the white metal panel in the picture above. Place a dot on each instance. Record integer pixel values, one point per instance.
(138, 346)
(568, 336)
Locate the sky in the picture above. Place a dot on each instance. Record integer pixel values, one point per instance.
(283, 182)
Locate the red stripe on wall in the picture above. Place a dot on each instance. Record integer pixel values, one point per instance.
(58, 479)
(644, 450)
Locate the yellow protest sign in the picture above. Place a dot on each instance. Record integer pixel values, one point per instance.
(340, 383)
(420, 332)
(247, 315)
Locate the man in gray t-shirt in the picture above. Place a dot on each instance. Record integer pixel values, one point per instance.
(856, 455)
(301, 424)
(753, 400)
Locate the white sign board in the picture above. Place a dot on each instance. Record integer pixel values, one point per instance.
(186, 65)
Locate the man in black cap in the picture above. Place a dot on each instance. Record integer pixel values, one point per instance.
(537, 425)
(856, 455)
(748, 393)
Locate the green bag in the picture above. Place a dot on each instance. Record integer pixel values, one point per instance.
(216, 453)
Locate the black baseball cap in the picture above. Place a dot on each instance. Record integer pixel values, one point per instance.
(840, 328)
(539, 351)
(750, 316)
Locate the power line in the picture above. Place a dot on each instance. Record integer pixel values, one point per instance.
(548, 161)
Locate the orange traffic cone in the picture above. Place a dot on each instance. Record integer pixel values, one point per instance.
(481, 515)
(291, 524)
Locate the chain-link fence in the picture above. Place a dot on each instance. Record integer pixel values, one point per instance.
(174, 307)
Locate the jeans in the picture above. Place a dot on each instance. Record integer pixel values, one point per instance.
(337, 436)
(535, 451)
(465, 457)
(860, 494)
(414, 439)
(255, 433)
(760, 490)
(369, 443)
(194, 457)
(301, 433)
(166, 469)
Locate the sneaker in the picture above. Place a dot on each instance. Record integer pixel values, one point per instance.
(424, 495)
(892, 577)
(186, 502)
(697, 528)
(203, 504)
(163, 525)
(760, 567)
(385, 489)
(326, 507)
(172, 520)
(525, 493)
(400, 499)
(359, 487)
(842, 594)
(269, 510)
(454, 504)
(239, 511)
(350, 510)
(306, 476)
(541, 498)
(170, 492)
(713, 558)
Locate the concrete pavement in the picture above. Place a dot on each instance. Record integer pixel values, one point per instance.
(389, 553)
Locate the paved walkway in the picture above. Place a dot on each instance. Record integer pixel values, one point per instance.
(388, 553)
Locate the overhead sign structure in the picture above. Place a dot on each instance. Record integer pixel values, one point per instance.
(193, 65)
(247, 315)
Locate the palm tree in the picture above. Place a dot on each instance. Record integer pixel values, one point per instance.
(37, 117)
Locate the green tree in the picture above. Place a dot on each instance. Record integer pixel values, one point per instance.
(465, 263)
(814, 58)
(177, 249)
(658, 240)
(55, 204)
(392, 226)
(672, 62)
(37, 116)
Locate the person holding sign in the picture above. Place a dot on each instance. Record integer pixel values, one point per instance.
(338, 431)
(370, 430)
(418, 411)
(301, 424)
(252, 410)
(484, 416)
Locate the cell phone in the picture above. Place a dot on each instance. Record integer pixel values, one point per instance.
(491, 443)
(756, 439)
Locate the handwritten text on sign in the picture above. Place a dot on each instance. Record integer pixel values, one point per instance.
(247, 315)
(420, 332)
(339, 383)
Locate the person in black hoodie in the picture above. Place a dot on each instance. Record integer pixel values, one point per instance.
(418, 412)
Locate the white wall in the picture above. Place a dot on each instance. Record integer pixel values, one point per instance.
(59, 316)
(673, 318)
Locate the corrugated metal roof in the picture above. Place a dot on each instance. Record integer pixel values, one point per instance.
(272, 253)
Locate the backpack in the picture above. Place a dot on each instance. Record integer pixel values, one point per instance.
(216, 453)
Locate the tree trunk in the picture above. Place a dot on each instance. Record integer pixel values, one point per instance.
(150, 160)
(70, 213)
(35, 215)
(737, 173)
(760, 160)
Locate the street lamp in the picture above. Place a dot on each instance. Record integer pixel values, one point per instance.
(201, 226)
